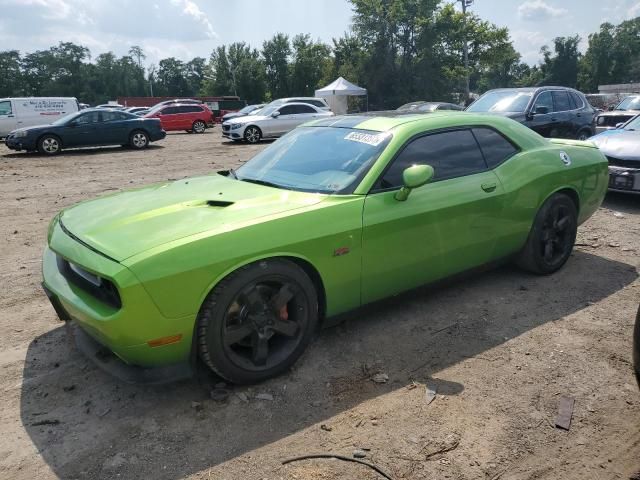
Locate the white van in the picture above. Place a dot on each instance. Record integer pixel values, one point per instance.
(30, 111)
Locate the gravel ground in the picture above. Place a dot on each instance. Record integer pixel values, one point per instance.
(500, 348)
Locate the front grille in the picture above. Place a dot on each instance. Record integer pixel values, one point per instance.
(612, 120)
(102, 289)
(618, 162)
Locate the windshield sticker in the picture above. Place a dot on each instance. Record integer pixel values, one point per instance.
(368, 138)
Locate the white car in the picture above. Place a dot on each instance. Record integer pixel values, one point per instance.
(273, 121)
(315, 101)
(31, 111)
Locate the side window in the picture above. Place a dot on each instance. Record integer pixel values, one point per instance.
(495, 147)
(305, 109)
(288, 110)
(91, 117)
(451, 154)
(189, 109)
(113, 116)
(317, 103)
(544, 100)
(5, 108)
(169, 111)
(561, 101)
(577, 100)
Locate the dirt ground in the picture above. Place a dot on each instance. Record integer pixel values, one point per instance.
(500, 348)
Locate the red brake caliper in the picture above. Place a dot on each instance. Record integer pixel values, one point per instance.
(284, 313)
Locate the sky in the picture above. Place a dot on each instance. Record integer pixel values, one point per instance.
(188, 28)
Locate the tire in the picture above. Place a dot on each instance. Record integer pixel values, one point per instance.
(252, 134)
(199, 126)
(139, 140)
(584, 134)
(49, 145)
(257, 322)
(552, 236)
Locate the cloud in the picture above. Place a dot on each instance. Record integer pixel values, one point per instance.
(634, 11)
(528, 43)
(538, 10)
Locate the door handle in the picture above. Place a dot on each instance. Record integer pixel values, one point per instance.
(10, 116)
(489, 187)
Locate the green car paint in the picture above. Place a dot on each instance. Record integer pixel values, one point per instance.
(166, 246)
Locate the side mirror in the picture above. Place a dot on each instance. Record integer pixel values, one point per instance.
(611, 108)
(414, 177)
(275, 114)
(541, 110)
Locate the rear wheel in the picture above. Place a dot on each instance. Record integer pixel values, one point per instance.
(257, 322)
(199, 126)
(49, 145)
(139, 140)
(252, 134)
(552, 236)
(584, 134)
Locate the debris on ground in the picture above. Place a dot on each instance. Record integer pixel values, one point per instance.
(450, 442)
(197, 406)
(359, 454)
(45, 422)
(326, 427)
(430, 393)
(219, 394)
(565, 412)
(243, 396)
(265, 396)
(380, 378)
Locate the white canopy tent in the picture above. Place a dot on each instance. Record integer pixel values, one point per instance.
(336, 94)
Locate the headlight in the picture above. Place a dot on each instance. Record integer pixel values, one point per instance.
(20, 133)
(52, 226)
(235, 126)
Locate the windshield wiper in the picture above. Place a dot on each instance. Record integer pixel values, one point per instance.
(262, 182)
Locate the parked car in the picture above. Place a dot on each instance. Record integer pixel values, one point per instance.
(426, 107)
(28, 111)
(115, 106)
(272, 121)
(91, 127)
(621, 146)
(239, 268)
(248, 110)
(556, 112)
(628, 108)
(137, 110)
(315, 101)
(188, 117)
(182, 101)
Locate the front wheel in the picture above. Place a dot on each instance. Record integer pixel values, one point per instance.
(199, 126)
(139, 140)
(252, 134)
(552, 236)
(257, 322)
(49, 145)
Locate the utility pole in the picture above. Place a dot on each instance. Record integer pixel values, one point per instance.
(465, 48)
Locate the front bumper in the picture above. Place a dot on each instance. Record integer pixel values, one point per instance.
(125, 330)
(19, 143)
(623, 179)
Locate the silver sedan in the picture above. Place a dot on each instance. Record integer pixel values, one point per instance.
(272, 122)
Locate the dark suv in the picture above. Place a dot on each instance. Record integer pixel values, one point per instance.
(559, 112)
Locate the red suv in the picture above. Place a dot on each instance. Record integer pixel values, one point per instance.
(188, 117)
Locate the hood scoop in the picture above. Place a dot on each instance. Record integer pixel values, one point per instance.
(219, 203)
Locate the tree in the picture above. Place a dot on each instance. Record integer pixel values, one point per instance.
(136, 52)
(561, 67)
(276, 53)
(310, 60)
(171, 78)
(10, 80)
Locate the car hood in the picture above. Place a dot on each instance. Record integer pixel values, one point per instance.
(127, 223)
(34, 128)
(622, 144)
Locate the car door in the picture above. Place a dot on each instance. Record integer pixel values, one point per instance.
(7, 118)
(444, 227)
(284, 122)
(169, 118)
(113, 130)
(82, 131)
(303, 114)
(543, 123)
(562, 113)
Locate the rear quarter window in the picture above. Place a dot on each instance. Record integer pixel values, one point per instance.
(495, 148)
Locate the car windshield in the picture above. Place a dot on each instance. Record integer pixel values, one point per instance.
(501, 101)
(410, 106)
(629, 103)
(633, 125)
(316, 159)
(247, 109)
(66, 118)
(269, 109)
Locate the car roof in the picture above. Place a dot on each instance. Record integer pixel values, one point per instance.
(385, 121)
(534, 89)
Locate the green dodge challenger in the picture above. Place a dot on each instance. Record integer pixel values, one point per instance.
(239, 268)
